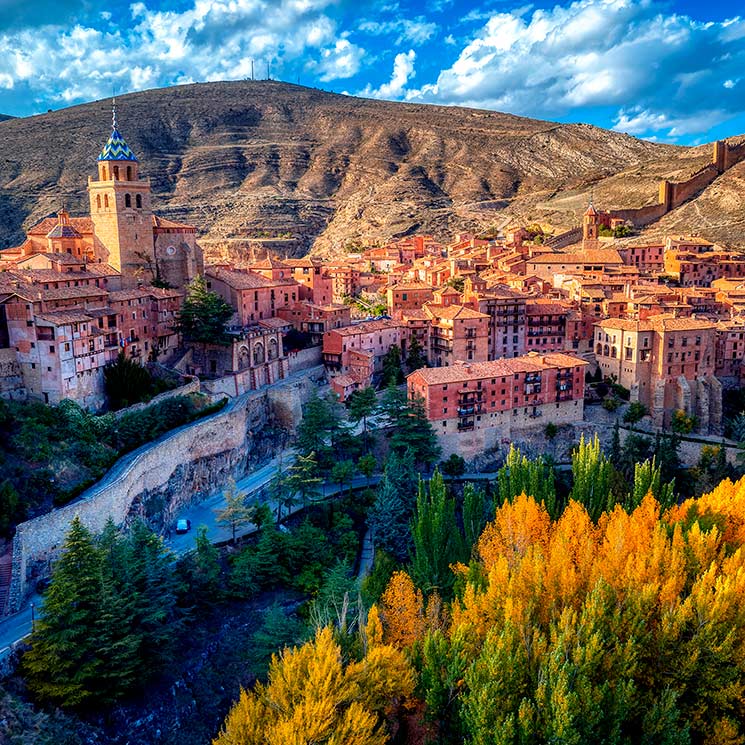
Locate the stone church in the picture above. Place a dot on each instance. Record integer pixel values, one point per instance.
(122, 234)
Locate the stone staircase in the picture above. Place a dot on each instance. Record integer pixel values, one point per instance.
(6, 567)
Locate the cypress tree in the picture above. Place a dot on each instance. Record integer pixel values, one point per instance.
(647, 478)
(521, 475)
(438, 541)
(474, 514)
(592, 473)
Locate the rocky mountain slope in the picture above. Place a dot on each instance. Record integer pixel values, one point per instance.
(267, 164)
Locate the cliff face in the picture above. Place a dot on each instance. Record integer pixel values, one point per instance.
(266, 164)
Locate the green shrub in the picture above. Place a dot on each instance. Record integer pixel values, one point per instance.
(611, 403)
(635, 412)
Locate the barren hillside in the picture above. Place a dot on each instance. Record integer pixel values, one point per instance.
(252, 163)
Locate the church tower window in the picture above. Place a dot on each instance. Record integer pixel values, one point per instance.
(98, 201)
(127, 200)
(129, 173)
(105, 200)
(138, 201)
(116, 173)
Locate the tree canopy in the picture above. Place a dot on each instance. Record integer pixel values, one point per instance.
(204, 314)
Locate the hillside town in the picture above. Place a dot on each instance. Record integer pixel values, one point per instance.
(497, 332)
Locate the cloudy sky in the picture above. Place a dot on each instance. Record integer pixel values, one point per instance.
(670, 70)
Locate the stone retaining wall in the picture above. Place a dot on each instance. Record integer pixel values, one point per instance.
(305, 358)
(11, 377)
(156, 480)
(193, 386)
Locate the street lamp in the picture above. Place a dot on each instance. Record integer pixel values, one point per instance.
(33, 619)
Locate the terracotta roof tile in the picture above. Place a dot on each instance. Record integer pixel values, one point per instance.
(460, 371)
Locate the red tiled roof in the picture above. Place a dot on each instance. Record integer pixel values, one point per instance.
(162, 223)
(452, 312)
(84, 225)
(460, 371)
(240, 280)
(367, 327)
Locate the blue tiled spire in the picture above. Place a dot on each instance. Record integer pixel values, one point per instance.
(116, 148)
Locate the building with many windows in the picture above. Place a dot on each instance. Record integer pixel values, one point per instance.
(476, 406)
(667, 363)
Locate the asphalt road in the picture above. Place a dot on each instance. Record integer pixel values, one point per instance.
(254, 486)
(16, 627)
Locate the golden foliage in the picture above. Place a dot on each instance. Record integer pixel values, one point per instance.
(518, 525)
(661, 598)
(311, 697)
(402, 611)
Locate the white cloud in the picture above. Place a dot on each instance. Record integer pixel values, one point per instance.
(207, 40)
(340, 61)
(403, 71)
(412, 31)
(600, 53)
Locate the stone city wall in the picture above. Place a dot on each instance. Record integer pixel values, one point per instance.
(193, 386)
(673, 194)
(155, 481)
(11, 377)
(682, 191)
(305, 358)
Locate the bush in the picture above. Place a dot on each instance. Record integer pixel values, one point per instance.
(635, 412)
(620, 391)
(127, 382)
(682, 423)
(611, 403)
(551, 431)
(453, 466)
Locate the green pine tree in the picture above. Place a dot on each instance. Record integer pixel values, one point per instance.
(389, 520)
(150, 585)
(410, 428)
(416, 358)
(362, 405)
(303, 478)
(393, 373)
(64, 663)
(235, 514)
(203, 315)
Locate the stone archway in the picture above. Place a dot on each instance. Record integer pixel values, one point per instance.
(259, 355)
(244, 358)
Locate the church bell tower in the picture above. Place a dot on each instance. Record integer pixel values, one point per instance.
(121, 212)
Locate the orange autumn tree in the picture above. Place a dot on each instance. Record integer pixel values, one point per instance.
(627, 629)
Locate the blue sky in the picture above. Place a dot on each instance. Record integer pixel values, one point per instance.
(671, 70)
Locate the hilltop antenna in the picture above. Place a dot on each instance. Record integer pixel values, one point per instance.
(252, 69)
(113, 113)
(268, 71)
